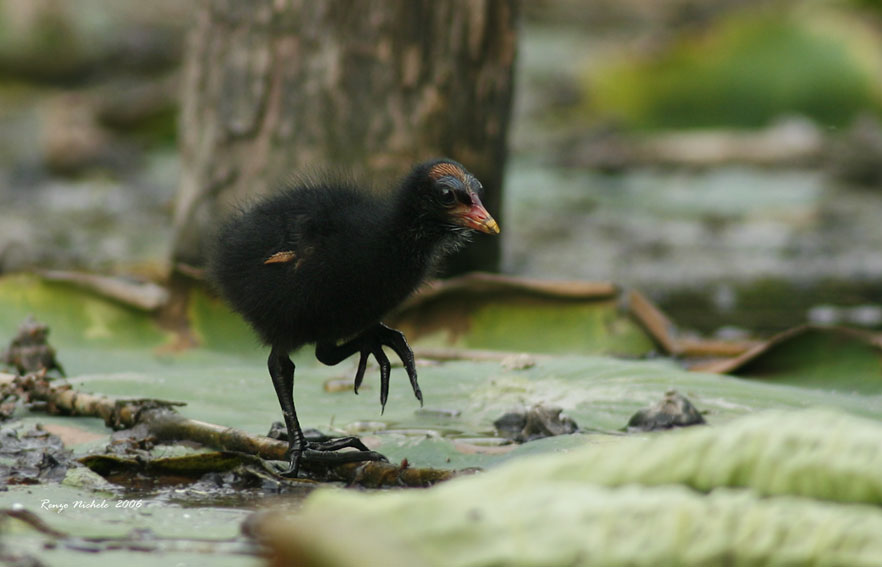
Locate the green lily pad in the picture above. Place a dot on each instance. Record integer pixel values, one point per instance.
(225, 381)
(75, 317)
(826, 358)
(624, 504)
(484, 311)
(216, 327)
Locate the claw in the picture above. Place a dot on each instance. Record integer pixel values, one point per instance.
(385, 369)
(398, 343)
(359, 374)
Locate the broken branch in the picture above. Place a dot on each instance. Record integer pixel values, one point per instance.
(164, 423)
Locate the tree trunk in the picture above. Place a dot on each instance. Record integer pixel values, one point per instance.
(366, 88)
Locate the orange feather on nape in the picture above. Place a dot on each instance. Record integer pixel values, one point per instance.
(281, 257)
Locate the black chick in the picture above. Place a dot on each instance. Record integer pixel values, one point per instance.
(324, 262)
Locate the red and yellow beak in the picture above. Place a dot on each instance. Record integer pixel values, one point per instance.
(475, 216)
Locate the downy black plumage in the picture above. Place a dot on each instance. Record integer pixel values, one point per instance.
(323, 262)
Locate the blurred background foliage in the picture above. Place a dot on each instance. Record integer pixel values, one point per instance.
(721, 155)
(745, 71)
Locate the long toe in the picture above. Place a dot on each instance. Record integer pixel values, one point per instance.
(340, 457)
(396, 340)
(337, 444)
(362, 365)
(329, 452)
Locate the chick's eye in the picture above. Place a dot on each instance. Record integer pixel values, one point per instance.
(447, 197)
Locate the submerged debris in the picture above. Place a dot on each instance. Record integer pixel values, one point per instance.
(34, 457)
(536, 423)
(672, 411)
(30, 351)
(9, 397)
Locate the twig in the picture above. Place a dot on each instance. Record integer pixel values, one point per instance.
(167, 425)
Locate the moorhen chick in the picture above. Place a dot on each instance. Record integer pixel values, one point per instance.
(324, 262)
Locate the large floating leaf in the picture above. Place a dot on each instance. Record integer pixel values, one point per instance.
(110, 349)
(75, 317)
(484, 311)
(619, 504)
(829, 358)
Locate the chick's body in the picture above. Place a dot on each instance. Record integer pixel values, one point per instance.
(324, 262)
(349, 264)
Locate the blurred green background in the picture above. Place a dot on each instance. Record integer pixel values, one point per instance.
(722, 156)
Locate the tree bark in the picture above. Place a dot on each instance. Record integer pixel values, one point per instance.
(365, 88)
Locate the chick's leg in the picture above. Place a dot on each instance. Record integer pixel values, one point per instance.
(281, 371)
(299, 450)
